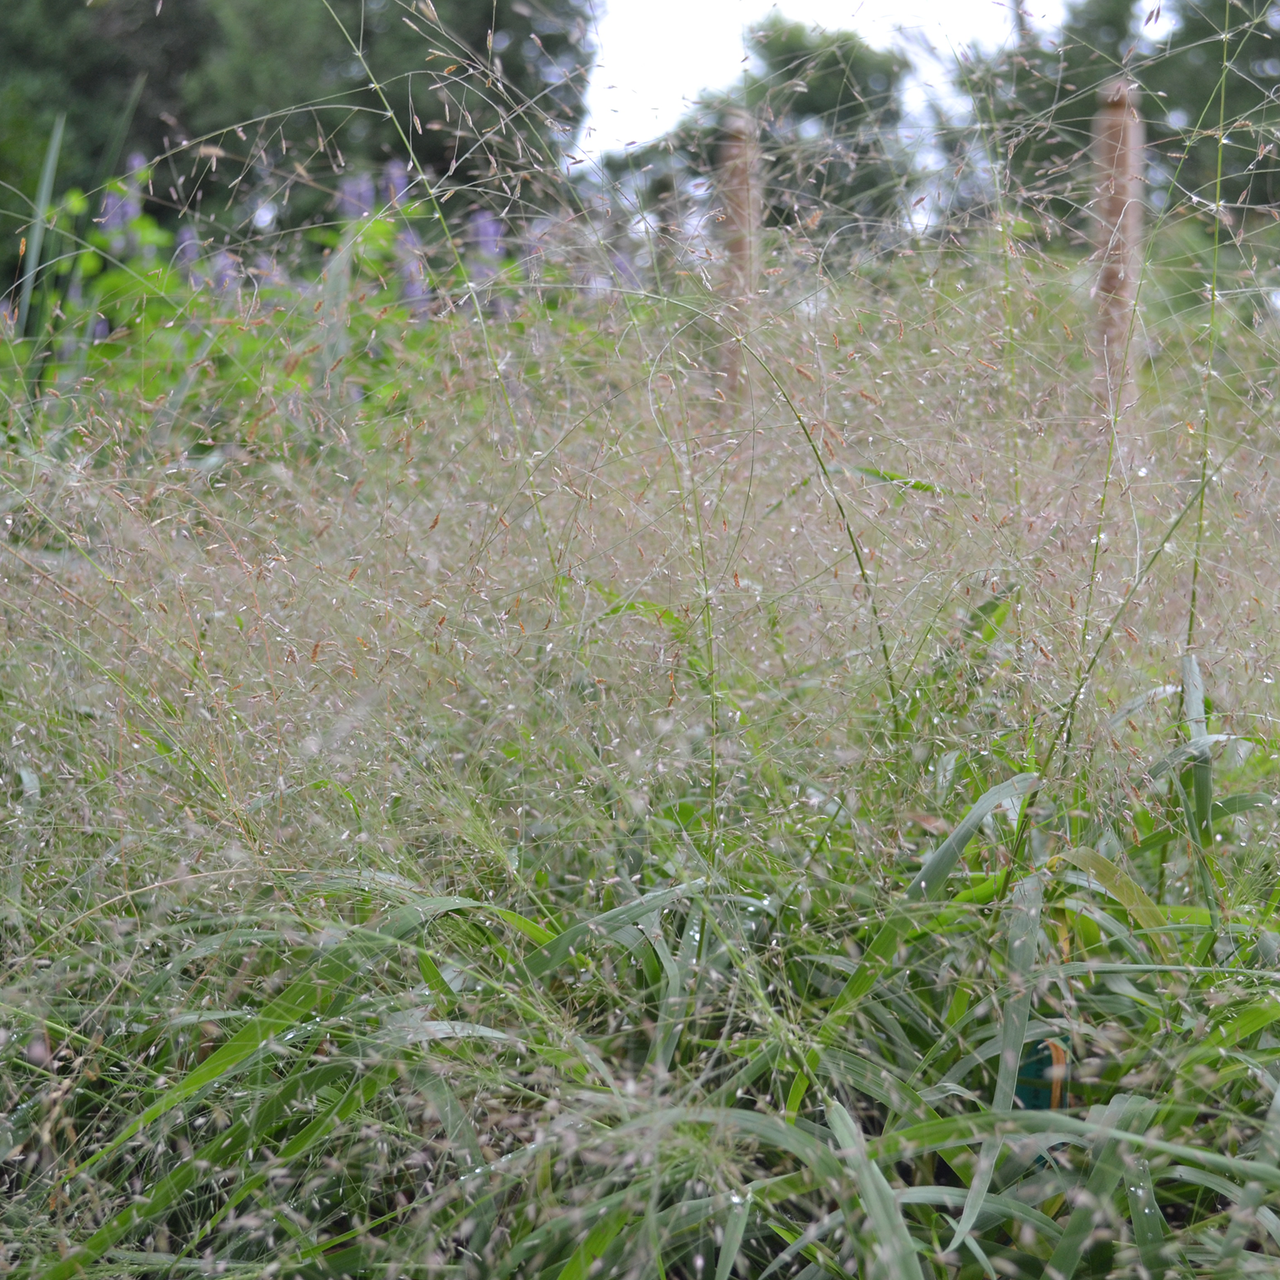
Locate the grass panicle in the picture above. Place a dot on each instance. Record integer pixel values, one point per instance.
(483, 801)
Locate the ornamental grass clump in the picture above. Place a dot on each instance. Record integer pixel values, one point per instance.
(483, 801)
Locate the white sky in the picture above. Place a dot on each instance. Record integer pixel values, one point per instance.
(656, 56)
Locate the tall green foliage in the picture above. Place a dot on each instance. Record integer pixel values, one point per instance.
(830, 104)
(64, 56)
(287, 82)
(1034, 103)
(478, 78)
(1221, 67)
(1216, 74)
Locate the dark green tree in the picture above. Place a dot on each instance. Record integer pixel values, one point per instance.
(1033, 106)
(485, 94)
(827, 106)
(63, 56)
(1220, 67)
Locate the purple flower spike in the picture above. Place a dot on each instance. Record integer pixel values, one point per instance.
(396, 181)
(355, 196)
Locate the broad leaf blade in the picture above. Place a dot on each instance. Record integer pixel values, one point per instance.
(894, 1252)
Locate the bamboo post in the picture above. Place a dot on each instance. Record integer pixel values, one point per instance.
(739, 162)
(1119, 139)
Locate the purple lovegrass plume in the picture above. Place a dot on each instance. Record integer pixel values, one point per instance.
(623, 270)
(267, 271)
(415, 288)
(484, 259)
(120, 208)
(114, 215)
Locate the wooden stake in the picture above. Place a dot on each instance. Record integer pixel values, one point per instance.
(743, 214)
(1119, 140)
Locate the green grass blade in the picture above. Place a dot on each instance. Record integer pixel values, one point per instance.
(894, 1253)
(801, 1242)
(734, 1229)
(606, 925)
(996, 1207)
(35, 241)
(1228, 1190)
(939, 865)
(598, 1239)
(1023, 937)
(1202, 761)
(876, 1080)
(1269, 1138)
(1128, 893)
(1231, 805)
(926, 886)
(674, 1000)
(1125, 1112)
(1242, 1217)
(1150, 1231)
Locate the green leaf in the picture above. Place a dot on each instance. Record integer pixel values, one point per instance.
(1129, 894)
(1024, 933)
(925, 887)
(44, 193)
(1125, 1112)
(1188, 751)
(879, 1081)
(607, 925)
(1117, 718)
(1269, 1139)
(939, 865)
(675, 998)
(734, 1229)
(530, 928)
(1226, 1188)
(894, 1253)
(1149, 1227)
(1202, 761)
(903, 482)
(1239, 804)
(597, 1241)
(220, 1152)
(997, 1208)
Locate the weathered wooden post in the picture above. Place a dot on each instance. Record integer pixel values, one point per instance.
(1119, 140)
(740, 189)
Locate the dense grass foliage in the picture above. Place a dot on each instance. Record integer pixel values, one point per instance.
(482, 801)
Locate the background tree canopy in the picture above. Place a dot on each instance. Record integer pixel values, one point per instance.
(486, 95)
(827, 105)
(1214, 74)
(1219, 75)
(507, 77)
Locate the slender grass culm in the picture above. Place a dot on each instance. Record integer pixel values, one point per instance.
(647, 718)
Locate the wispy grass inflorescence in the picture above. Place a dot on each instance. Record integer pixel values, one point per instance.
(482, 800)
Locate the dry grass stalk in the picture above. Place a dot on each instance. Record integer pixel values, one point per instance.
(1119, 138)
